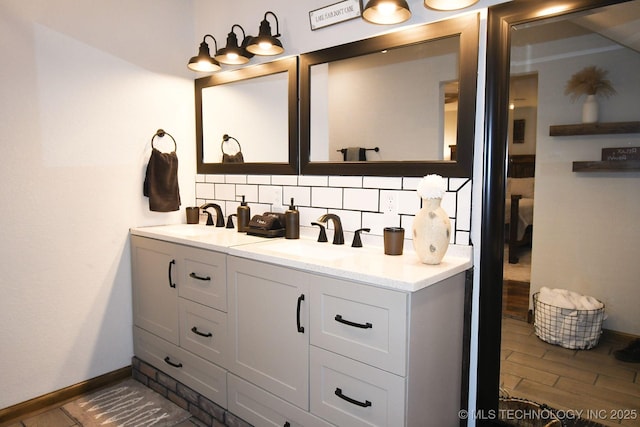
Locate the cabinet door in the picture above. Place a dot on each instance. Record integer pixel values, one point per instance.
(268, 328)
(155, 296)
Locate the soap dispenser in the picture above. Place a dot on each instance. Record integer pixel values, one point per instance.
(244, 215)
(292, 222)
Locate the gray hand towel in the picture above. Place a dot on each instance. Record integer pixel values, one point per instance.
(161, 182)
(355, 154)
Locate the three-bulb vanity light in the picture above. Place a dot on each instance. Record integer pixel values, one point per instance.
(388, 12)
(237, 54)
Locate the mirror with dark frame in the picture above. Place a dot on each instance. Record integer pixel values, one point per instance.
(502, 20)
(411, 84)
(257, 108)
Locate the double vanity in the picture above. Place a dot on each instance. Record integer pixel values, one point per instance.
(296, 332)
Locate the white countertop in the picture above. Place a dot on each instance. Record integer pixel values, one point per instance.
(368, 264)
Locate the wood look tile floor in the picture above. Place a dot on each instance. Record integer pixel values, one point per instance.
(570, 380)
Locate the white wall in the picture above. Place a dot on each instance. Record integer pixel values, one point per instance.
(586, 229)
(83, 88)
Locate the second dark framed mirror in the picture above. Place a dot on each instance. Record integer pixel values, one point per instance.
(399, 104)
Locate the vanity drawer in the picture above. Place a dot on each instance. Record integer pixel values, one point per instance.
(349, 393)
(193, 371)
(260, 407)
(362, 322)
(203, 331)
(203, 277)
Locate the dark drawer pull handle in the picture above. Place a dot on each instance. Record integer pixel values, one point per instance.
(300, 328)
(339, 318)
(195, 276)
(350, 400)
(202, 334)
(168, 361)
(171, 264)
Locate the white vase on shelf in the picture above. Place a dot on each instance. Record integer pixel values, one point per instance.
(431, 231)
(590, 110)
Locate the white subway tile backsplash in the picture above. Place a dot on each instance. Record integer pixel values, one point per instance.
(410, 183)
(214, 178)
(205, 190)
(225, 191)
(309, 215)
(463, 215)
(236, 179)
(392, 183)
(356, 199)
(259, 179)
(301, 195)
(250, 192)
(408, 202)
(345, 181)
(284, 179)
(361, 199)
(376, 222)
(351, 220)
(271, 194)
(326, 197)
(449, 204)
(313, 180)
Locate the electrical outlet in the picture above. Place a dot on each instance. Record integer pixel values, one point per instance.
(389, 203)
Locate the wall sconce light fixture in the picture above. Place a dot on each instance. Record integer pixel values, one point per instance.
(386, 11)
(264, 43)
(232, 53)
(448, 4)
(203, 61)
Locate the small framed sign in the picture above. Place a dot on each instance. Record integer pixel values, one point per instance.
(335, 13)
(620, 154)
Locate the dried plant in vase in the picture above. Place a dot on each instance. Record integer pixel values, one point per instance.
(590, 81)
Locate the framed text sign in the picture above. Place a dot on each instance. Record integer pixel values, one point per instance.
(335, 13)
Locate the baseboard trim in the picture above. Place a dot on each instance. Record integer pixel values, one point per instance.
(61, 396)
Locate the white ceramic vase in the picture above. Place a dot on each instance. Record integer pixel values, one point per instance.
(431, 232)
(590, 110)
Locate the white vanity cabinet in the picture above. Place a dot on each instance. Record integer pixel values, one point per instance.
(179, 313)
(281, 338)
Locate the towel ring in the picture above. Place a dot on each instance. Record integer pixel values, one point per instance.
(226, 138)
(161, 133)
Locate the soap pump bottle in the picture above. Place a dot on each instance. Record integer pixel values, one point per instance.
(244, 215)
(292, 222)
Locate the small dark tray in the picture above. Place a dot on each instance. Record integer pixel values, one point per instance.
(278, 232)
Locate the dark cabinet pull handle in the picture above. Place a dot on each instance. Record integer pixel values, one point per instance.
(300, 328)
(195, 276)
(171, 264)
(202, 334)
(350, 400)
(339, 318)
(168, 361)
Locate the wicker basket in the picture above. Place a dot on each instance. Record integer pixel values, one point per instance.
(569, 328)
(525, 413)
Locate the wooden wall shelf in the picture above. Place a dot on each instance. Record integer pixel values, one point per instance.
(605, 166)
(594, 128)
